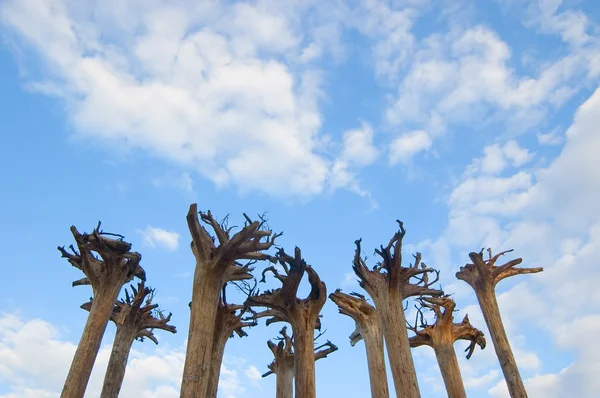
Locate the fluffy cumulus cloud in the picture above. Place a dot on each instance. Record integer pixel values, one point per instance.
(228, 90)
(154, 236)
(155, 375)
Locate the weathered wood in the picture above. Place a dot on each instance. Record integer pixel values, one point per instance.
(215, 266)
(301, 314)
(483, 275)
(106, 274)
(388, 290)
(368, 328)
(134, 319)
(441, 337)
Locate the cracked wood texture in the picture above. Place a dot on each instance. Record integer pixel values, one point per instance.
(441, 337)
(215, 266)
(483, 275)
(368, 328)
(134, 319)
(388, 290)
(301, 314)
(114, 265)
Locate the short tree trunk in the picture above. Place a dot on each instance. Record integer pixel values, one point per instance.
(117, 364)
(491, 314)
(448, 363)
(285, 383)
(89, 344)
(304, 360)
(196, 372)
(376, 362)
(390, 310)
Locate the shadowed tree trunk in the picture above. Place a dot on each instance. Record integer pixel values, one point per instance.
(368, 328)
(483, 275)
(107, 274)
(134, 320)
(283, 363)
(388, 290)
(301, 314)
(227, 323)
(215, 266)
(441, 337)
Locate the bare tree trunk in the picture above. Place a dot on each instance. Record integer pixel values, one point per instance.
(115, 372)
(198, 363)
(491, 314)
(448, 363)
(483, 276)
(89, 344)
(304, 361)
(376, 361)
(391, 313)
(285, 383)
(217, 360)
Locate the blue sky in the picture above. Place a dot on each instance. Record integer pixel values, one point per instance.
(475, 125)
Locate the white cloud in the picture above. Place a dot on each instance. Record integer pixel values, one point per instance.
(253, 374)
(154, 236)
(182, 181)
(156, 375)
(405, 147)
(227, 90)
(551, 138)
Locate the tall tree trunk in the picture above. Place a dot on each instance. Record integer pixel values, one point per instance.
(377, 374)
(89, 344)
(115, 372)
(285, 383)
(491, 313)
(448, 363)
(390, 310)
(196, 371)
(304, 360)
(217, 360)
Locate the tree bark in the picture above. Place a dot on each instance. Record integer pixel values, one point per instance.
(491, 313)
(117, 364)
(196, 373)
(217, 359)
(89, 344)
(376, 362)
(389, 308)
(285, 383)
(304, 360)
(448, 363)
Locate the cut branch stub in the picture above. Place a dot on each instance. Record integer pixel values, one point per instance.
(284, 355)
(444, 330)
(482, 272)
(103, 260)
(246, 244)
(411, 281)
(142, 317)
(282, 303)
(356, 307)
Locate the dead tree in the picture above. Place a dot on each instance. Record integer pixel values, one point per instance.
(368, 327)
(483, 275)
(215, 266)
(441, 337)
(134, 319)
(115, 265)
(388, 284)
(301, 314)
(229, 321)
(283, 362)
